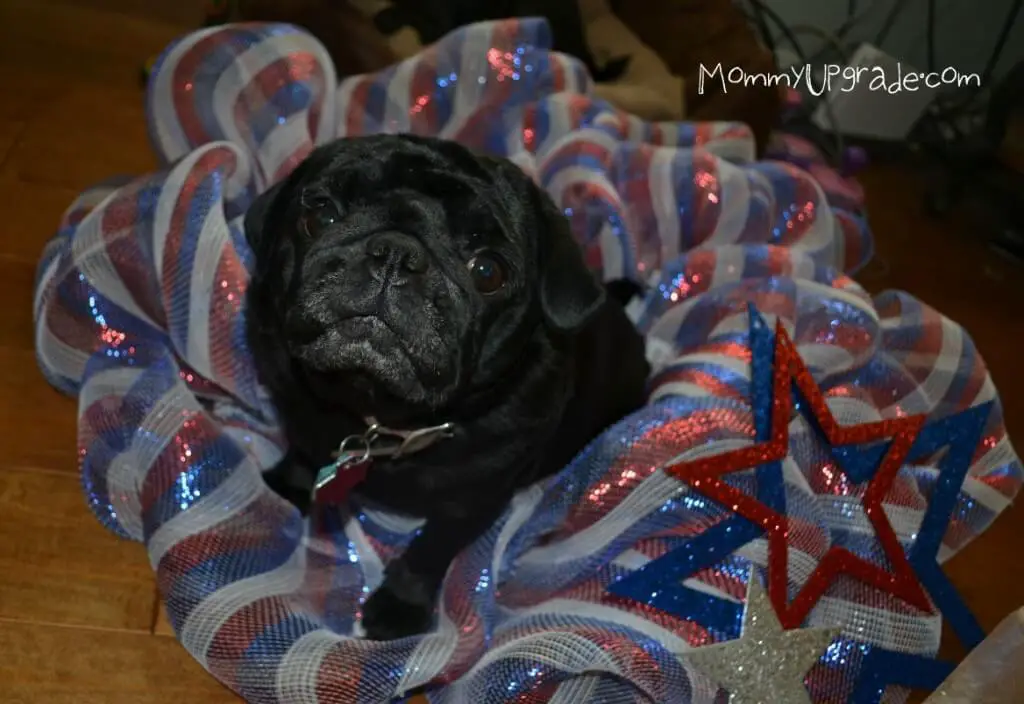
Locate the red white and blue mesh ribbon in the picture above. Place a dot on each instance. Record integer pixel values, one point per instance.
(139, 310)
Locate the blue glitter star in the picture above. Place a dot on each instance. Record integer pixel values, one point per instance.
(659, 582)
(960, 433)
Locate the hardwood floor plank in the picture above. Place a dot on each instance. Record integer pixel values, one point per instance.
(162, 626)
(38, 424)
(32, 213)
(81, 42)
(57, 665)
(16, 278)
(26, 90)
(9, 132)
(59, 565)
(86, 135)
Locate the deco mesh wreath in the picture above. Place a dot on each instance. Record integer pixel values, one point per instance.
(794, 434)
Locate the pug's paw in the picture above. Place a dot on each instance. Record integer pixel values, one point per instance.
(403, 605)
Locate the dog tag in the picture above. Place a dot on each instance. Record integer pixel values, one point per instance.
(335, 482)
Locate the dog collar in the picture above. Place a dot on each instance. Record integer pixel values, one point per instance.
(352, 459)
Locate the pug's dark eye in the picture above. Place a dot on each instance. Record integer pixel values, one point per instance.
(488, 273)
(319, 218)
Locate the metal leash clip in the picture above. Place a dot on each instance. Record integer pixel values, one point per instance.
(412, 441)
(356, 452)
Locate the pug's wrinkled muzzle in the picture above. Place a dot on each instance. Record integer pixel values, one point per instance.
(369, 304)
(392, 258)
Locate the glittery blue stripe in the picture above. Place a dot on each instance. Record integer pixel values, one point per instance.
(212, 462)
(290, 99)
(960, 434)
(381, 674)
(147, 200)
(881, 668)
(576, 156)
(236, 230)
(542, 124)
(206, 194)
(867, 238)
(194, 585)
(215, 62)
(963, 374)
(257, 673)
(784, 189)
(685, 197)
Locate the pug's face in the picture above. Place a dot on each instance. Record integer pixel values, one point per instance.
(406, 271)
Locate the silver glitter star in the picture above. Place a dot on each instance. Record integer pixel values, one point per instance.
(766, 664)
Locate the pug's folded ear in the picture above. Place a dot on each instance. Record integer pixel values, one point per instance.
(570, 294)
(255, 221)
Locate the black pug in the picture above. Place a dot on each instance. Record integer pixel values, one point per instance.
(432, 19)
(405, 281)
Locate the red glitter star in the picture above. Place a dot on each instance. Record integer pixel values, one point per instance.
(705, 475)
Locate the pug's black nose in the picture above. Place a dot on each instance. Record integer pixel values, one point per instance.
(394, 250)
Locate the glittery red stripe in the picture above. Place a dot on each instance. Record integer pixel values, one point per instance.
(422, 110)
(225, 306)
(183, 94)
(356, 107)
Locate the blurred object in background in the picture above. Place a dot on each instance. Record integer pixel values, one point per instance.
(647, 87)
(959, 125)
(687, 34)
(351, 39)
(990, 674)
(980, 166)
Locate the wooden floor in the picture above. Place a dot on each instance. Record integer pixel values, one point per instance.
(78, 609)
